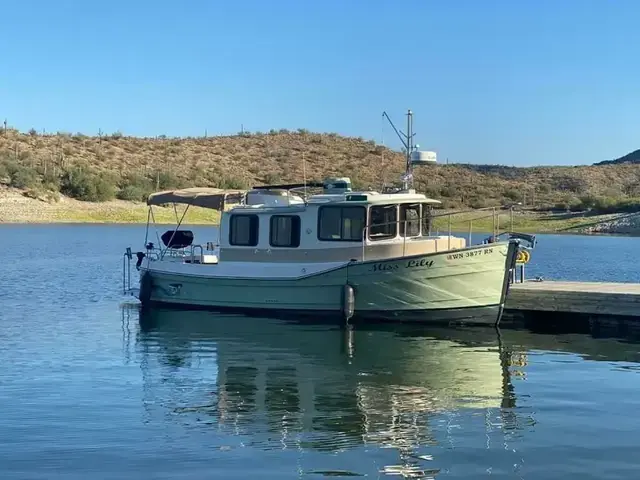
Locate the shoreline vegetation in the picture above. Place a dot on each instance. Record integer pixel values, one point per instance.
(17, 208)
(75, 178)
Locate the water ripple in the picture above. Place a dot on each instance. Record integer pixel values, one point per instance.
(87, 392)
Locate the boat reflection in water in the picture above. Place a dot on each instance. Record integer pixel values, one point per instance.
(328, 389)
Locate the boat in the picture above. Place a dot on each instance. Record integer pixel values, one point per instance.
(335, 253)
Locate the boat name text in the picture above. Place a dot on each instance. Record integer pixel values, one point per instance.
(389, 267)
(472, 253)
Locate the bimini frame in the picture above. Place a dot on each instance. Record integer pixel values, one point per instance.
(205, 197)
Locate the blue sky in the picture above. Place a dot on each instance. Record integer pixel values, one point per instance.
(492, 81)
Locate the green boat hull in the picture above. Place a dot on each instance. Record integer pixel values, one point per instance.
(468, 285)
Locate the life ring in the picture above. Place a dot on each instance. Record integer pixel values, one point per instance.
(523, 256)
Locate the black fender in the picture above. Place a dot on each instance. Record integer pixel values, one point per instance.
(140, 256)
(146, 285)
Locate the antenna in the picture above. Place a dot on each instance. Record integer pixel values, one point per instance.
(304, 176)
(384, 180)
(407, 142)
(413, 156)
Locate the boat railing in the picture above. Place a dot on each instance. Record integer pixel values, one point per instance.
(154, 253)
(526, 241)
(494, 214)
(126, 271)
(191, 253)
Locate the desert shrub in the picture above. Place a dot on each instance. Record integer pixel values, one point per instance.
(167, 181)
(86, 185)
(481, 202)
(569, 183)
(5, 176)
(23, 177)
(133, 193)
(512, 194)
(230, 182)
(50, 180)
(449, 191)
(135, 187)
(272, 178)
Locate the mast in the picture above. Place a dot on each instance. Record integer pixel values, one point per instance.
(407, 142)
(408, 173)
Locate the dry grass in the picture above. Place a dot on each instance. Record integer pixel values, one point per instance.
(15, 207)
(245, 160)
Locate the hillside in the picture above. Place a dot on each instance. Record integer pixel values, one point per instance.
(633, 157)
(103, 168)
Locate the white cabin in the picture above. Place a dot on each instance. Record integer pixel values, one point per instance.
(281, 226)
(274, 224)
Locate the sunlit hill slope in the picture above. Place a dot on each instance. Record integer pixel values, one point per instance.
(100, 168)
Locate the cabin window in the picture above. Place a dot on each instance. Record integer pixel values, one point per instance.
(336, 223)
(426, 219)
(285, 231)
(383, 221)
(243, 230)
(410, 220)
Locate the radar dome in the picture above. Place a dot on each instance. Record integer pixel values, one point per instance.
(423, 157)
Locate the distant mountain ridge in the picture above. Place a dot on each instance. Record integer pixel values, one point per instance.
(633, 157)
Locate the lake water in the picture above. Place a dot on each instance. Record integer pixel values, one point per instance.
(86, 392)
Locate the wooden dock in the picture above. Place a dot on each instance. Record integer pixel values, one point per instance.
(590, 298)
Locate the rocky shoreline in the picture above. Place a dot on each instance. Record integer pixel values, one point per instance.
(16, 207)
(623, 224)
